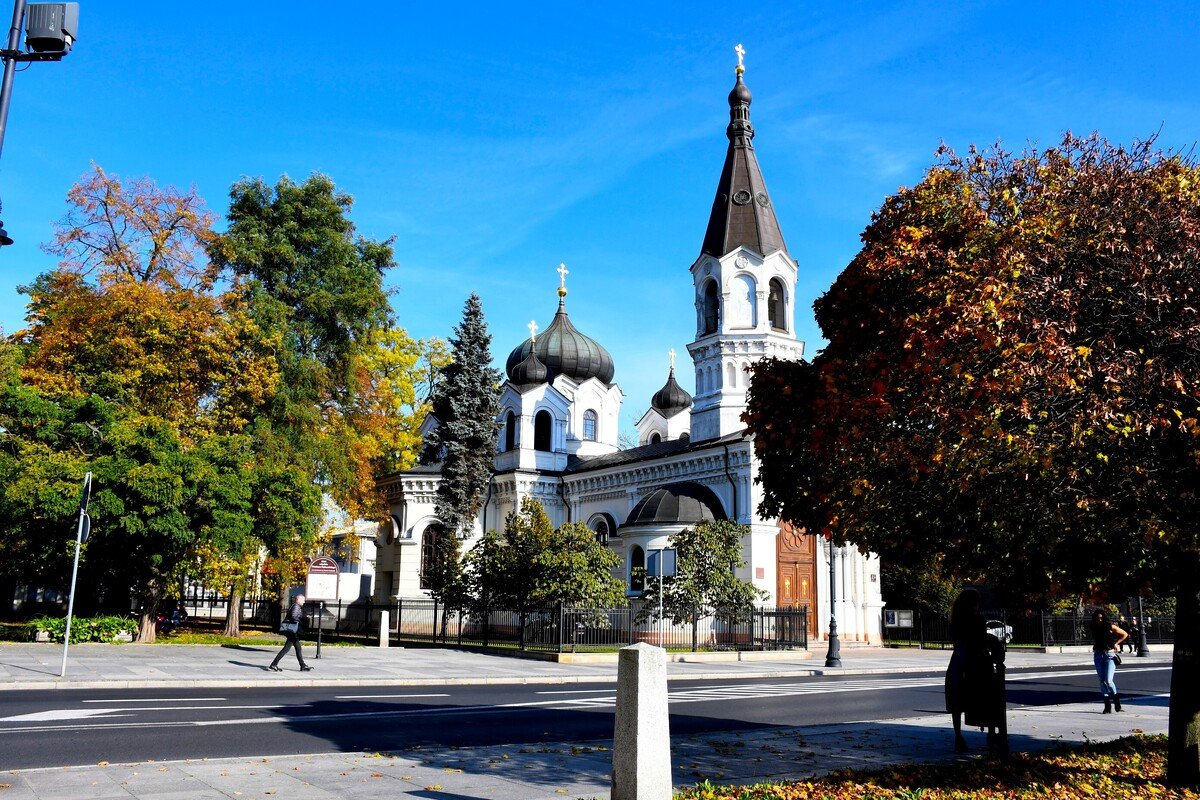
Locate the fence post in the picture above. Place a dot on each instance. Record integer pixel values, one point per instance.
(562, 626)
(920, 630)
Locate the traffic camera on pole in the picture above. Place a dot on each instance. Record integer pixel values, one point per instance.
(50, 32)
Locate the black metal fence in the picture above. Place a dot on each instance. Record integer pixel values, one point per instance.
(932, 631)
(556, 629)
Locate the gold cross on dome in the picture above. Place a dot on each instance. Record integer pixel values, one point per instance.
(532, 330)
(671, 353)
(563, 272)
(741, 53)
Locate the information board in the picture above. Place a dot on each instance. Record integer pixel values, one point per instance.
(322, 583)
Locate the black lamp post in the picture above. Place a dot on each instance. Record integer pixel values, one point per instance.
(834, 657)
(1143, 648)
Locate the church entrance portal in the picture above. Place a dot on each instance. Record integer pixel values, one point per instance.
(796, 572)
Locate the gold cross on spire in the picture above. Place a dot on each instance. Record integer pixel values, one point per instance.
(671, 353)
(741, 53)
(532, 331)
(563, 272)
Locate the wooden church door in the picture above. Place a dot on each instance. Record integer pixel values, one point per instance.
(796, 572)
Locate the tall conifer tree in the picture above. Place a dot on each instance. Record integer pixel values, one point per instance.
(466, 404)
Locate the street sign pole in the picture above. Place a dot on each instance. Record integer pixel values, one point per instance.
(320, 625)
(80, 535)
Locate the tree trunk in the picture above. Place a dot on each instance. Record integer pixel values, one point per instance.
(149, 606)
(695, 633)
(1183, 746)
(233, 614)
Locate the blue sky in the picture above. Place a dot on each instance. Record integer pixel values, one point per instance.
(496, 140)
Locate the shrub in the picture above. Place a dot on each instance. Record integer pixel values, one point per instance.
(83, 629)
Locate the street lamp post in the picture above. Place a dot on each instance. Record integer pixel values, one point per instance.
(1143, 648)
(834, 657)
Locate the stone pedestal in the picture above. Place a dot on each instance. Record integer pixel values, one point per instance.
(383, 628)
(641, 738)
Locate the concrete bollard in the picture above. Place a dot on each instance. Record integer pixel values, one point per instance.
(641, 737)
(383, 629)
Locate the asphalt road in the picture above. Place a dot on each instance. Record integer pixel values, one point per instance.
(66, 728)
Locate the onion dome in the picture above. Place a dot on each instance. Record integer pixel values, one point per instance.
(671, 398)
(564, 350)
(688, 503)
(529, 373)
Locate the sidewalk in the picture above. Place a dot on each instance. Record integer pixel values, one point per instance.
(36, 666)
(521, 772)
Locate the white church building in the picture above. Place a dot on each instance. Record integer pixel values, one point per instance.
(558, 432)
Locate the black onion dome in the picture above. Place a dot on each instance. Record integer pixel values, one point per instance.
(688, 503)
(530, 372)
(565, 351)
(671, 398)
(740, 94)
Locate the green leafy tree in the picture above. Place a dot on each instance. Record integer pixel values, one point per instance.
(133, 367)
(466, 404)
(533, 565)
(707, 557)
(336, 422)
(1012, 381)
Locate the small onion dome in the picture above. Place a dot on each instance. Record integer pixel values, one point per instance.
(688, 503)
(671, 398)
(529, 373)
(565, 351)
(740, 94)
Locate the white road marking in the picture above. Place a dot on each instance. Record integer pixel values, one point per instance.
(160, 700)
(696, 695)
(382, 696)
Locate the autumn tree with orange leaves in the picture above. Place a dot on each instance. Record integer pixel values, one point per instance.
(133, 366)
(1013, 380)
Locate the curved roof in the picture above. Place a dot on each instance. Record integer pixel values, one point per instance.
(529, 372)
(688, 503)
(671, 398)
(565, 351)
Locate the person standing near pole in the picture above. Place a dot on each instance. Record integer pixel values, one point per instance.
(291, 627)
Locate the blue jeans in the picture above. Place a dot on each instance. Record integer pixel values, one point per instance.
(1106, 670)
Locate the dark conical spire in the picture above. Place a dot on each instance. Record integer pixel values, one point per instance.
(742, 215)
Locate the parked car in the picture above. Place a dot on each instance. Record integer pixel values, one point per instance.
(998, 629)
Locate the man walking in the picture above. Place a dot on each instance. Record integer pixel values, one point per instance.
(291, 627)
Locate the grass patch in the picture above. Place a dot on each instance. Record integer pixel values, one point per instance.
(1124, 769)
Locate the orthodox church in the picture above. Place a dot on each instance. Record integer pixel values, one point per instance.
(558, 437)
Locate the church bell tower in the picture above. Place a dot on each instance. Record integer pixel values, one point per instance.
(745, 282)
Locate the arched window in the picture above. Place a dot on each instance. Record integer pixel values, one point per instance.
(777, 306)
(637, 561)
(730, 375)
(745, 374)
(655, 438)
(743, 303)
(589, 425)
(600, 526)
(510, 431)
(711, 312)
(429, 544)
(543, 427)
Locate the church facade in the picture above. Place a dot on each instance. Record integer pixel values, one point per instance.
(558, 428)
